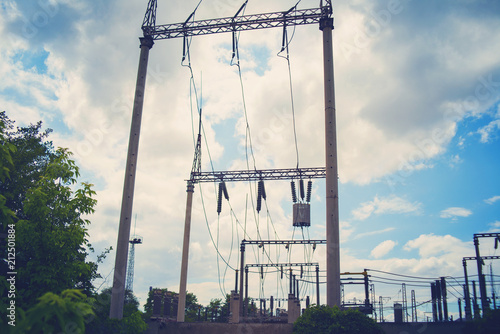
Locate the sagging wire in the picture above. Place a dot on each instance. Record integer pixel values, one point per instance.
(235, 61)
(193, 89)
(285, 47)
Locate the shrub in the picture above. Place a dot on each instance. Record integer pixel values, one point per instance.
(332, 320)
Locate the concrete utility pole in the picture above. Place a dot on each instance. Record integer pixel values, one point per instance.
(120, 274)
(332, 190)
(235, 24)
(181, 310)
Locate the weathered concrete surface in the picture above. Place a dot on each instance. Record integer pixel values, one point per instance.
(218, 328)
(215, 328)
(423, 327)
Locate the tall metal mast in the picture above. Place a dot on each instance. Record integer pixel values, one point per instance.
(151, 31)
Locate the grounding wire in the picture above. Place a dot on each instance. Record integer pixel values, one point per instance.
(415, 277)
(210, 232)
(193, 88)
(287, 58)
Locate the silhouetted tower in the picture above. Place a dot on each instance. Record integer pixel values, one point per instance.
(130, 270)
(135, 240)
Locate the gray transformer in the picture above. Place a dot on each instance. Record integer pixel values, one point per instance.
(302, 214)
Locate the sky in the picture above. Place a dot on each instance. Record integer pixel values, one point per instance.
(417, 87)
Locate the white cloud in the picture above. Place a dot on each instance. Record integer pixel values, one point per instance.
(385, 230)
(494, 227)
(383, 248)
(432, 246)
(91, 72)
(388, 205)
(487, 132)
(492, 200)
(455, 212)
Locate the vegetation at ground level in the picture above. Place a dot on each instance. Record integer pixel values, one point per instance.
(44, 214)
(489, 324)
(332, 320)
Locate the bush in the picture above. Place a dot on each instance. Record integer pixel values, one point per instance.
(331, 320)
(490, 324)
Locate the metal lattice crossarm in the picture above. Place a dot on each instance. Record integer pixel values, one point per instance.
(237, 23)
(257, 175)
(474, 258)
(282, 242)
(311, 264)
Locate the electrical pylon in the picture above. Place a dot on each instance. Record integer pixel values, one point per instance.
(131, 258)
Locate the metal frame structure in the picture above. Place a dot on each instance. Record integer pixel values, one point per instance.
(468, 308)
(258, 175)
(152, 31)
(482, 283)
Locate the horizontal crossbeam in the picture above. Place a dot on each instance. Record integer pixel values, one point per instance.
(257, 175)
(281, 242)
(235, 24)
(281, 264)
(486, 235)
(474, 258)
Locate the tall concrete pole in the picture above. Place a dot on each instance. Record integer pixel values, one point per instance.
(482, 282)
(332, 191)
(468, 309)
(181, 308)
(120, 274)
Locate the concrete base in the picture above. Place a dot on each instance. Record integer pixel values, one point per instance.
(216, 328)
(219, 328)
(423, 327)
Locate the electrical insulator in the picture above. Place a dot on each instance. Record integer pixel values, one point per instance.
(259, 202)
(224, 189)
(281, 272)
(294, 194)
(309, 189)
(219, 199)
(302, 192)
(262, 189)
(262, 272)
(301, 271)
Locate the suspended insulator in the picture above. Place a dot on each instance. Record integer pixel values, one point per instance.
(224, 189)
(259, 201)
(309, 189)
(262, 189)
(184, 49)
(496, 242)
(301, 271)
(262, 272)
(281, 272)
(219, 199)
(302, 192)
(294, 194)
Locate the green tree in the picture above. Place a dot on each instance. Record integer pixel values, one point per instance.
(48, 209)
(489, 324)
(6, 164)
(132, 321)
(331, 320)
(63, 313)
(192, 307)
(32, 154)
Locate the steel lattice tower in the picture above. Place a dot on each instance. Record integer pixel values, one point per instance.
(130, 270)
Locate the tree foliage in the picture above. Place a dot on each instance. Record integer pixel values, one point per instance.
(331, 320)
(132, 321)
(489, 324)
(63, 313)
(6, 164)
(48, 209)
